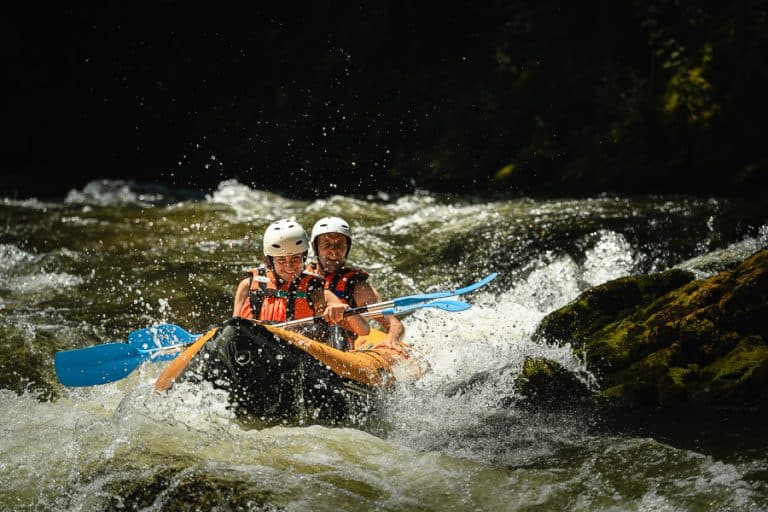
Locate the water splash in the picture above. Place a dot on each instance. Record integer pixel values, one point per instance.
(126, 260)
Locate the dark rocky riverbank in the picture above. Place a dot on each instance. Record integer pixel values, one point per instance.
(662, 341)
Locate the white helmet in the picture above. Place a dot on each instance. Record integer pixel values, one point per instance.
(284, 238)
(331, 225)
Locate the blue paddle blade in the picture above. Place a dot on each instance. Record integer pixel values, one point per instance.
(99, 364)
(414, 299)
(161, 336)
(445, 305)
(109, 362)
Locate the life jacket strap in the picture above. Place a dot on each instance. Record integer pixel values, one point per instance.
(293, 292)
(256, 297)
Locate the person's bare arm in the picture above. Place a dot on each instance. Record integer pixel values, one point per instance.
(365, 294)
(240, 295)
(334, 314)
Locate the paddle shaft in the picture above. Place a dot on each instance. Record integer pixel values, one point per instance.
(381, 309)
(410, 300)
(445, 305)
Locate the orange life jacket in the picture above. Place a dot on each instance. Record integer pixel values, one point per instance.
(275, 300)
(342, 282)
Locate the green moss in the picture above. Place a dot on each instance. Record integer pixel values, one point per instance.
(614, 393)
(548, 385)
(700, 342)
(737, 365)
(646, 371)
(504, 173)
(611, 347)
(600, 307)
(533, 367)
(682, 376)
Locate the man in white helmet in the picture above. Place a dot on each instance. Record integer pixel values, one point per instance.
(331, 241)
(280, 290)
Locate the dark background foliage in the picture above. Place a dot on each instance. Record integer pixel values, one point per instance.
(520, 97)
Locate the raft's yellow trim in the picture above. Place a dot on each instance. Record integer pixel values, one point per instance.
(368, 363)
(178, 365)
(365, 366)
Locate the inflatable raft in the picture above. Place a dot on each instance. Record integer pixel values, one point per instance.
(279, 376)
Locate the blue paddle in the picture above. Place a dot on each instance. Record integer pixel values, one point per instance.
(184, 337)
(109, 362)
(379, 309)
(160, 336)
(396, 306)
(415, 299)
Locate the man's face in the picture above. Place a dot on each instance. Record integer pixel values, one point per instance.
(331, 251)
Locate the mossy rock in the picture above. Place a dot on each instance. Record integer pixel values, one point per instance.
(547, 385)
(23, 368)
(666, 341)
(605, 304)
(741, 376)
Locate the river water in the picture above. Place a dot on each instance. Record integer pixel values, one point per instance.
(114, 257)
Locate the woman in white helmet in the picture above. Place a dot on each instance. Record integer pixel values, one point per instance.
(331, 241)
(280, 290)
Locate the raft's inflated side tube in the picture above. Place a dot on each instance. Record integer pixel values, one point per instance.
(368, 367)
(272, 380)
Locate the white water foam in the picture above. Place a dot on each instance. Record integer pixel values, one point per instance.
(611, 257)
(710, 263)
(493, 339)
(252, 205)
(111, 193)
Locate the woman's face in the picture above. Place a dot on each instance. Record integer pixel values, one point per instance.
(288, 268)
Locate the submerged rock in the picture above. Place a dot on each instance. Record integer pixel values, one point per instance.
(667, 340)
(547, 385)
(540, 385)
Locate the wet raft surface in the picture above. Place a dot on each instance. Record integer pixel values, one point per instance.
(270, 380)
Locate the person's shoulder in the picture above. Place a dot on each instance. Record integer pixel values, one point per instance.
(244, 284)
(358, 274)
(254, 274)
(255, 271)
(314, 279)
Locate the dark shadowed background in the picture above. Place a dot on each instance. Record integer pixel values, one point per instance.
(538, 98)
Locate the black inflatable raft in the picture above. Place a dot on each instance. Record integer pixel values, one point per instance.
(271, 380)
